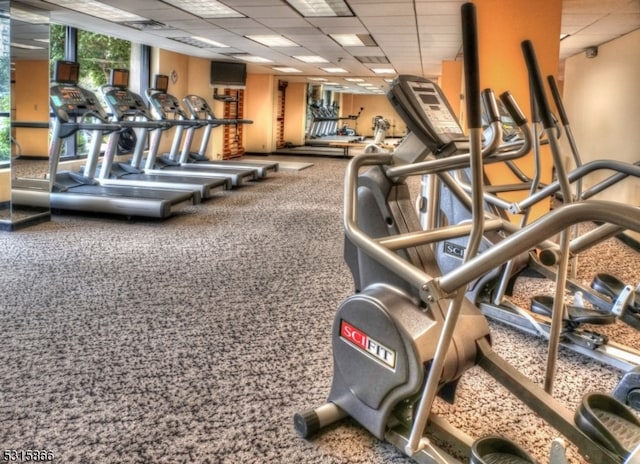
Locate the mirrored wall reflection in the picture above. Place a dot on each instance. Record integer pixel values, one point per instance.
(24, 67)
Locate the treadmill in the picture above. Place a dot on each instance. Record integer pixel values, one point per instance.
(200, 110)
(129, 110)
(168, 109)
(76, 109)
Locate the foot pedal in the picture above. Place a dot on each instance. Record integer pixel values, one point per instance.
(608, 422)
(543, 304)
(619, 293)
(498, 450)
(628, 389)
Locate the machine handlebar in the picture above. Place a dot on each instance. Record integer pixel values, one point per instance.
(558, 100)
(471, 66)
(535, 78)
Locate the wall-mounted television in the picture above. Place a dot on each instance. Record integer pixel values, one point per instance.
(228, 74)
(161, 82)
(66, 72)
(119, 78)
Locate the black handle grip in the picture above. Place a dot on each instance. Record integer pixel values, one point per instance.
(512, 107)
(535, 113)
(535, 80)
(471, 66)
(555, 92)
(490, 105)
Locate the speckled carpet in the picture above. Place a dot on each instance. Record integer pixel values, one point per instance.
(196, 339)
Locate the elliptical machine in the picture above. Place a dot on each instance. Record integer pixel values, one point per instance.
(409, 333)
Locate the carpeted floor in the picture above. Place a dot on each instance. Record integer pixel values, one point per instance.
(196, 339)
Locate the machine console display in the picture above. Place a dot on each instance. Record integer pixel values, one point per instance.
(76, 100)
(426, 112)
(125, 103)
(166, 104)
(196, 103)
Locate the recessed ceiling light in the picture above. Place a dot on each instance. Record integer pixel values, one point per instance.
(321, 7)
(354, 79)
(208, 9)
(98, 9)
(334, 70)
(272, 40)
(251, 58)
(319, 79)
(311, 59)
(200, 42)
(354, 40)
(286, 69)
(383, 70)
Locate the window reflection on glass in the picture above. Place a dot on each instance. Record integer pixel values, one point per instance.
(5, 89)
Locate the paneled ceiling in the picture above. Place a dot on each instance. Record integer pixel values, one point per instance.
(407, 36)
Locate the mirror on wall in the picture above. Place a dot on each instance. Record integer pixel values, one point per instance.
(24, 68)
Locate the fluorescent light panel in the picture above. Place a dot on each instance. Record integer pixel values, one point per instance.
(200, 42)
(250, 58)
(311, 59)
(319, 8)
(334, 70)
(383, 70)
(354, 40)
(207, 9)
(98, 9)
(272, 40)
(286, 69)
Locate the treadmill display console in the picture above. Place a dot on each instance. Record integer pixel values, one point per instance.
(76, 100)
(126, 103)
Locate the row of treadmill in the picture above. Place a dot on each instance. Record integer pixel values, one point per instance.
(149, 183)
(429, 275)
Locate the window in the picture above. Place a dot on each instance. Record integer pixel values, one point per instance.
(97, 55)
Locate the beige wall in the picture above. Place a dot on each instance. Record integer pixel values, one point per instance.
(295, 110)
(31, 102)
(603, 105)
(5, 185)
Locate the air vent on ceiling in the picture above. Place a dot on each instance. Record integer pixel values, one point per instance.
(372, 59)
(149, 25)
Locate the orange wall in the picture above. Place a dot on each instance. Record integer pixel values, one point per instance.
(295, 113)
(260, 106)
(451, 84)
(31, 102)
(503, 25)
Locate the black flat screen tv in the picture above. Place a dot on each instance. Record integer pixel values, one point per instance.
(161, 82)
(119, 78)
(228, 74)
(66, 72)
